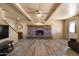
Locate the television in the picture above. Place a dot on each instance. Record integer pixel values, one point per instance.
(4, 31)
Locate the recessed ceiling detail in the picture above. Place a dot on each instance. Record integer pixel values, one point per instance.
(40, 12)
(33, 9)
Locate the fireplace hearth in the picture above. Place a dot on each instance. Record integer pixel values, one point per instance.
(39, 32)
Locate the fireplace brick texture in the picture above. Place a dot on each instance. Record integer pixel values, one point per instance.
(32, 30)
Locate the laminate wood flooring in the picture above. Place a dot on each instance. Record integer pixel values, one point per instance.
(42, 47)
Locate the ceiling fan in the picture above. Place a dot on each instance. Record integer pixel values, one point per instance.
(38, 11)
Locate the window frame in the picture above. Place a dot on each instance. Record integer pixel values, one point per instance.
(74, 27)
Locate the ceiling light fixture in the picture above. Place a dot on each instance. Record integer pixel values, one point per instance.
(39, 15)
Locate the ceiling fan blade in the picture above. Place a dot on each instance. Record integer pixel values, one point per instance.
(34, 11)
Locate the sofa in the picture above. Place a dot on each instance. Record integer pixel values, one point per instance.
(73, 45)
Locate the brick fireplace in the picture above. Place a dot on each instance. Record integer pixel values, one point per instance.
(39, 31)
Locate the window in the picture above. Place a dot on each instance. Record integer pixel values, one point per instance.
(72, 27)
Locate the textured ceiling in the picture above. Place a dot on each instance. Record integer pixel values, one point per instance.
(53, 11)
(10, 11)
(31, 9)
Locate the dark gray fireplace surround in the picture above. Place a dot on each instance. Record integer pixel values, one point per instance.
(39, 32)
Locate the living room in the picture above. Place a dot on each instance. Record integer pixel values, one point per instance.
(36, 30)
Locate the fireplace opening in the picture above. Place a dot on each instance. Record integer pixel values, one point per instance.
(39, 32)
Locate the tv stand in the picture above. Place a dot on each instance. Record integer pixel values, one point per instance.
(4, 47)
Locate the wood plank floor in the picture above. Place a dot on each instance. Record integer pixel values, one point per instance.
(41, 47)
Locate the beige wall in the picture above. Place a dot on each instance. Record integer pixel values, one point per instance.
(11, 22)
(65, 29)
(57, 28)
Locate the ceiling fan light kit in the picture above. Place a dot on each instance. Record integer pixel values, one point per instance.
(39, 15)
